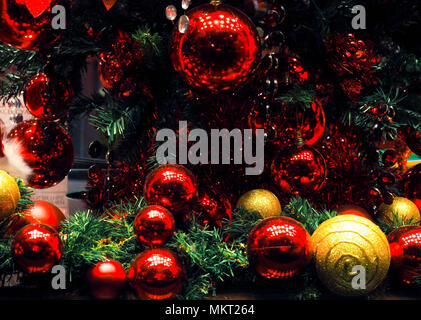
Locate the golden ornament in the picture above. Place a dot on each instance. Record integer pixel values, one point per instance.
(262, 201)
(401, 208)
(9, 195)
(346, 241)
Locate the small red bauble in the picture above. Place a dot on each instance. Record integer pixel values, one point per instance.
(405, 250)
(107, 279)
(154, 226)
(46, 148)
(48, 98)
(171, 186)
(299, 170)
(279, 247)
(40, 212)
(26, 24)
(36, 248)
(212, 209)
(157, 274)
(219, 50)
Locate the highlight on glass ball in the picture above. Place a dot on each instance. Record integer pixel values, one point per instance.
(279, 248)
(27, 24)
(48, 98)
(36, 248)
(157, 274)
(219, 50)
(171, 186)
(154, 226)
(46, 148)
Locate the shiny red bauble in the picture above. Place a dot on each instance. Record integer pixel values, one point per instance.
(213, 209)
(157, 274)
(48, 98)
(36, 248)
(299, 169)
(355, 210)
(219, 50)
(171, 186)
(405, 250)
(46, 148)
(288, 119)
(154, 226)
(106, 279)
(40, 212)
(413, 140)
(27, 24)
(279, 248)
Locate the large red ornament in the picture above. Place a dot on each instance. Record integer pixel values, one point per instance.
(26, 24)
(288, 119)
(212, 209)
(171, 186)
(219, 50)
(40, 212)
(46, 148)
(157, 274)
(279, 248)
(107, 279)
(154, 226)
(405, 250)
(36, 248)
(299, 169)
(48, 98)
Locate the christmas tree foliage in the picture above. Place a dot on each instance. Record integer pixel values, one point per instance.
(311, 185)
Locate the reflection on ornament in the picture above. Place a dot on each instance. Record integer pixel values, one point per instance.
(27, 24)
(279, 247)
(36, 248)
(46, 148)
(405, 249)
(219, 49)
(156, 274)
(299, 170)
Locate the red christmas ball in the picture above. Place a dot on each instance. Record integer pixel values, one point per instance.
(106, 279)
(40, 212)
(171, 186)
(288, 119)
(27, 24)
(405, 250)
(157, 274)
(46, 148)
(279, 248)
(154, 226)
(48, 98)
(212, 209)
(299, 170)
(219, 50)
(36, 248)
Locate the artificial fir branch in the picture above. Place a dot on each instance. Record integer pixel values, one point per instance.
(301, 210)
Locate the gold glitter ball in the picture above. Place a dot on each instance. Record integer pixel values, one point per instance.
(344, 244)
(9, 195)
(401, 208)
(262, 201)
